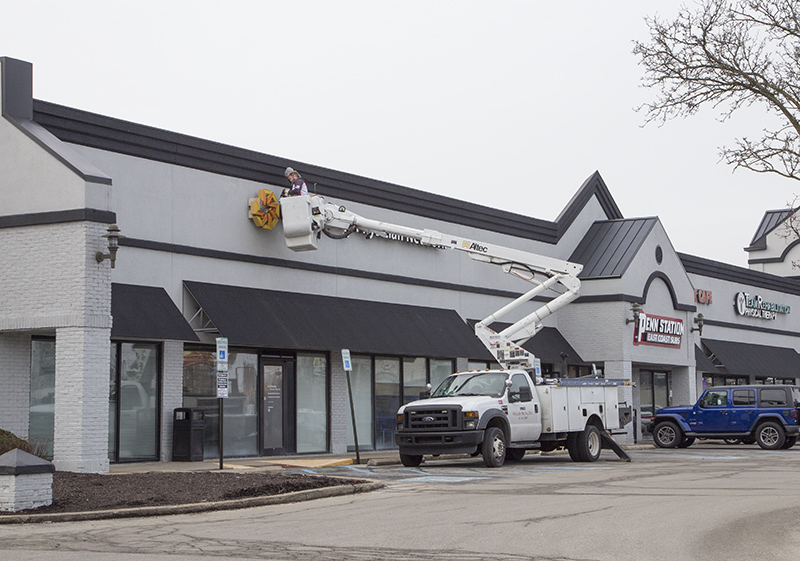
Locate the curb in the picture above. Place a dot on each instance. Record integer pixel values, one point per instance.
(294, 497)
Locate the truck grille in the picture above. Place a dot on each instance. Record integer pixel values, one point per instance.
(434, 418)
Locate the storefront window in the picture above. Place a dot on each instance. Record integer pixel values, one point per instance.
(42, 400)
(137, 401)
(440, 369)
(653, 393)
(387, 400)
(312, 403)
(361, 384)
(478, 365)
(414, 378)
(240, 407)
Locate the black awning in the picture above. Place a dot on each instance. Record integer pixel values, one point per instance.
(743, 359)
(289, 320)
(147, 312)
(548, 345)
(702, 363)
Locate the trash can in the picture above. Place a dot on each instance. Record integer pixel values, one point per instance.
(188, 429)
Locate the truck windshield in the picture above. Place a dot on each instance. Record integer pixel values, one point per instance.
(473, 383)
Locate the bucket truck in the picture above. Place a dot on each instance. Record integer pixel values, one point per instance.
(497, 413)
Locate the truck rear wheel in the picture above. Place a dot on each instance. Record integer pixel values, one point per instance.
(585, 446)
(770, 436)
(410, 460)
(493, 448)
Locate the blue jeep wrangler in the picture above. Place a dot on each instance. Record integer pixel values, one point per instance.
(767, 415)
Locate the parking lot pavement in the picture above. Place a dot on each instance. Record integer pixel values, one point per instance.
(704, 503)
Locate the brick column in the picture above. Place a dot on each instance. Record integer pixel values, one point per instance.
(340, 407)
(83, 361)
(171, 393)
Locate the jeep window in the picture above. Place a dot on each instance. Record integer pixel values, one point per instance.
(772, 397)
(471, 383)
(716, 398)
(796, 396)
(744, 397)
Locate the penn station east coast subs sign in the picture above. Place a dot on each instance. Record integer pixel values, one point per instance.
(658, 331)
(753, 306)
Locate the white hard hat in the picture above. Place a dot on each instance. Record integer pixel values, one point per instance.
(289, 171)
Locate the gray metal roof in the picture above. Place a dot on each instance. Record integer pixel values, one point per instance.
(609, 246)
(771, 219)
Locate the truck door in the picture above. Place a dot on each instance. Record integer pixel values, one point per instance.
(524, 414)
(711, 414)
(743, 410)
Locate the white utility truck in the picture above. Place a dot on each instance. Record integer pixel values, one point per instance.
(497, 413)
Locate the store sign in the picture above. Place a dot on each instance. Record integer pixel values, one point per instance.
(658, 331)
(750, 305)
(702, 296)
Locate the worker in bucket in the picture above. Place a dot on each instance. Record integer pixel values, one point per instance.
(298, 185)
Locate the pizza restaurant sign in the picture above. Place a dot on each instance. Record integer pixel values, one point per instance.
(751, 305)
(658, 331)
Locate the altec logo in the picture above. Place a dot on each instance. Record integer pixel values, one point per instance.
(472, 246)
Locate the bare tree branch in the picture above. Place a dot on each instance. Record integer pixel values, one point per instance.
(730, 54)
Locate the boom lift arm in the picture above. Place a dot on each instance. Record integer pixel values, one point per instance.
(305, 218)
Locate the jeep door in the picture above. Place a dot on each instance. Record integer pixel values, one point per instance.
(711, 414)
(743, 410)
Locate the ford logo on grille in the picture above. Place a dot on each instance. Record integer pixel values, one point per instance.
(428, 419)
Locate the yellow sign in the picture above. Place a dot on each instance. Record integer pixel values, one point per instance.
(265, 210)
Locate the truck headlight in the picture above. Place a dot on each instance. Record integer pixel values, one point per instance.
(400, 421)
(470, 419)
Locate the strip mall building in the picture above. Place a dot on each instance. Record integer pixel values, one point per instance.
(94, 360)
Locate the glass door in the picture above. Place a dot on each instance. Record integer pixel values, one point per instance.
(277, 407)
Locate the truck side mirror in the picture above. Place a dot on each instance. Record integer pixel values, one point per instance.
(426, 393)
(525, 393)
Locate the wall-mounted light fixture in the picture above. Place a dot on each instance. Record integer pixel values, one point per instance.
(636, 309)
(113, 236)
(699, 321)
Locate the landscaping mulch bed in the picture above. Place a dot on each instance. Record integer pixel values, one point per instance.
(81, 492)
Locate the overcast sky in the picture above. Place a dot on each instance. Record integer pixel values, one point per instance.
(507, 104)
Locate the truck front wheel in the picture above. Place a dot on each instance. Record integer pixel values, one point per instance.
(410, 460)
(494, 447)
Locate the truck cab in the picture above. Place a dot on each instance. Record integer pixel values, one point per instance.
(767, 415)
(460, 413)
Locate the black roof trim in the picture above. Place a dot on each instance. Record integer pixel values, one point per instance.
(58, 217)
(106, 133)
(593, 186)
(732, 273)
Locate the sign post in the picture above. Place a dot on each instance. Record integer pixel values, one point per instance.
(348, 367)
(222, 385)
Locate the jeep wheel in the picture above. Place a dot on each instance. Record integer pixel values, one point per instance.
(770, 436)
(411, 460)
(667, 435)
(732, 440)
(790, 441)
(514, 454)
(494, 447)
